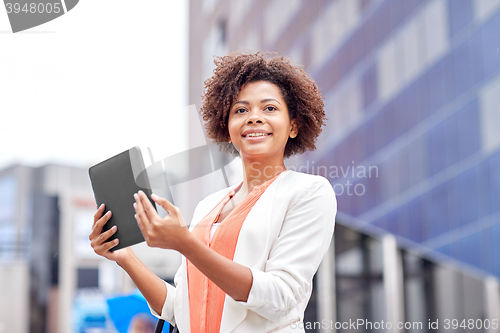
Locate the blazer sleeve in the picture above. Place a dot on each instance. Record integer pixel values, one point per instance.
(167, 312)
(294, 258)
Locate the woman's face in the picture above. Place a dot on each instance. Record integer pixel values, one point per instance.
(259, 124)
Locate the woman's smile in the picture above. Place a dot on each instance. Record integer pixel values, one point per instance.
(256, 134)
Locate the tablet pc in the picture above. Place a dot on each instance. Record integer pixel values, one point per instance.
(114, 184)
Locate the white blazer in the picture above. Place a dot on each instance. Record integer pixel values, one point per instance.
(283, 240)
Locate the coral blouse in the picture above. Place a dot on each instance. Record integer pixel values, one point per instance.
(206, 299)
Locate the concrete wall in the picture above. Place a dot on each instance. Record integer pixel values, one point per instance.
(14, 307)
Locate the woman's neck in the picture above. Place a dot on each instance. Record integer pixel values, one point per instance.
(256, 173)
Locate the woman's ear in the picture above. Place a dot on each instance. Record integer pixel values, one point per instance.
(293, 129)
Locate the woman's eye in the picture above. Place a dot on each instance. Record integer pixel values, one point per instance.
(270, 108)
(240, 110)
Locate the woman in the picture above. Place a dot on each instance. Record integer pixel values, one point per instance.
(252, 250)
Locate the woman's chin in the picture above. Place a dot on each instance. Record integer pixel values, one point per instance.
(257, 155)
(254, 154)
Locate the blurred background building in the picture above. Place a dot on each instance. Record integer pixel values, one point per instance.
(50, 278)
(411, 146)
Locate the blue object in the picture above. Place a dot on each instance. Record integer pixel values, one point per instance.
(123, 308)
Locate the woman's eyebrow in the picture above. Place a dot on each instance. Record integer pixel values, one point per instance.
(270, 99)
(262, 101)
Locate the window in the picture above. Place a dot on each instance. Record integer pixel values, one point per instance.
(421, 42)
(484, 183)
(214, 44)
(469, 196)
(489, 101)
(401, 111)
(494, 182)
(451, 128)
(464, 68)
(412, 104)
(388, 71)
(415, 220)
(87, 278)
(209, 6)
(403, 160)
(277, 17)
(417, 161)
(435, 18)
(418, 291)
(437, 148)
(411, 50)
(251, 41)
(422, 92)
(440, 210)
(369, 86)
(483, 9)
(468, 130)
(358, 275)
(491, 51)
(8, 216)
(238, 10)
(346, 108)
(441, 84)
(460, 15)
(471, 250)
(332, 27)
(496, 248)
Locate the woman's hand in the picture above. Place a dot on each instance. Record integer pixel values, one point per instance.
(171, 233)
(98, 239)
(168, 232)
(151, 286)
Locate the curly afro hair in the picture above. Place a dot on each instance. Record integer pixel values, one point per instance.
(301, 94)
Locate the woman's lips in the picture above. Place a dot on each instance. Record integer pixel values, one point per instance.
(257, 138)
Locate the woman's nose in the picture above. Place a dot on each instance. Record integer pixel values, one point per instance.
(255, 117)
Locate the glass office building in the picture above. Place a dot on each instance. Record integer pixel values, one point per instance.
(423, 88)
(411, 146)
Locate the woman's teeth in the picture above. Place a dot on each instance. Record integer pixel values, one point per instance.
(257, 134)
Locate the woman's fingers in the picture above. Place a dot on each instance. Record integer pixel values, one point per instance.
(109, 245)
(153, 227)
(139, 209)
(105, 247)
(167, 205)
(172, 210)
(105, 235)
(102, 237)
(148, 208)
(97, 227)
(98, 213)
(98, 239)
(100, 243)
(139, 223)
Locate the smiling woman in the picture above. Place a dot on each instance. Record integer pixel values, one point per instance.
(251, 250)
